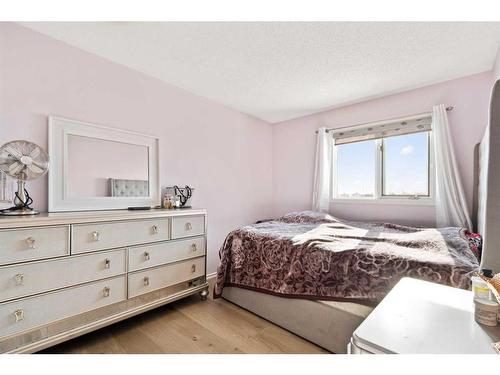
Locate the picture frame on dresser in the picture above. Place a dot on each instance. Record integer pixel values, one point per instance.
(6, 191)
(110, 153)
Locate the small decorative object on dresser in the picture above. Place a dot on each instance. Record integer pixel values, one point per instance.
(66, 274)
(23, 161)
(179, 197)
(493, 282)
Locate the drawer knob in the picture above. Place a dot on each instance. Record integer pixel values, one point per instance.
(95, 235)
(154, 228)
(189, 226)
(105, 292)
(194, 248)
(193, 268)
(19, 279)
(146, 255)
(30, 241)
(146, 281)
(107, 263)
(19, 315)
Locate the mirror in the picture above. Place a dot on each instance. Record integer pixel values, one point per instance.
(103, 168)
(95, 167)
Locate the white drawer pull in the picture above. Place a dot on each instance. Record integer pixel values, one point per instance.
(95, 235)
(193, 268)
(146, 281)
(19, 315)
(154, 229)
(107, 263)
(189, 226)
(30, 241)
(194, 248)
(19, 279)
(146, 255)
(105, 292)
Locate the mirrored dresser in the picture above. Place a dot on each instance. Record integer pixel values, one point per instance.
(65, 274)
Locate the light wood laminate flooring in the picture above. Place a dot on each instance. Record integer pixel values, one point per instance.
(190, 326)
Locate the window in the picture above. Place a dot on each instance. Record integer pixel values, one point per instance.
(406, 165)
(355, 170)
(393, 167)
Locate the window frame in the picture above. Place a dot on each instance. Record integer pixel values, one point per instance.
(379, 197)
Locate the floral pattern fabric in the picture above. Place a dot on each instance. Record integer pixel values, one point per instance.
(316, 256)
(475, 243)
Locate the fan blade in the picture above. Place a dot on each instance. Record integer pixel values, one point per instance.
(16, 153)
(15, 168)
(34, 154)
(35, 169)
(7, 160)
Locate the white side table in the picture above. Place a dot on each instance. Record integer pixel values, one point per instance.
(419, 317)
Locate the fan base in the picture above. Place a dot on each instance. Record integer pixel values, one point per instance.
(19, 212)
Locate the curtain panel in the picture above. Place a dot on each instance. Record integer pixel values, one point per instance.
(322, 171)
(451, 205)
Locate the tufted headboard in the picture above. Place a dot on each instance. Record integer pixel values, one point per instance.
(128, 188)
(488, 186)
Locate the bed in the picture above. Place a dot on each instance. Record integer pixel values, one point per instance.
(320, 276)
(326, 309)
(312, 255)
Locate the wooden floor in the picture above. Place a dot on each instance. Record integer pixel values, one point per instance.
(190, 326)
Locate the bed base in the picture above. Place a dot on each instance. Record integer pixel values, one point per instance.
(328, 324)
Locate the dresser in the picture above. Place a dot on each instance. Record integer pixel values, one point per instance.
(420, 317)
(65, 274)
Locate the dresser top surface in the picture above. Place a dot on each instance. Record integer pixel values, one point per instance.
(57, 218)
(420, 317)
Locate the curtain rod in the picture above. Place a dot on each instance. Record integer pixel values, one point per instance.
(448, 109)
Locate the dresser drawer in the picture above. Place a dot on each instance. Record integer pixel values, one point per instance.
(161, 277)
(147, 256)
(187, 226)
(38, 277)
(28, 313)
(99, 236)
(21, 245)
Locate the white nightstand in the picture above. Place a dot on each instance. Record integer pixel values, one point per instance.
(419, 317)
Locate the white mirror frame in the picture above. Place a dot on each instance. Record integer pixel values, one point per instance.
(59, 130)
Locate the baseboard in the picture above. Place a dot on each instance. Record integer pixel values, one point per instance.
(211, 275)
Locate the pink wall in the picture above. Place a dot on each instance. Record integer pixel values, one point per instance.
(294, 145)
(496, 67)
(223, 153)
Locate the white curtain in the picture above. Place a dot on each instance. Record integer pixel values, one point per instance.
(451, 206)
(322, 171)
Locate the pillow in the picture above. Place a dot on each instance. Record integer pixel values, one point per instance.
(307, 217)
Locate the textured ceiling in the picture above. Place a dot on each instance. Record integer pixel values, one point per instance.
(278, 71)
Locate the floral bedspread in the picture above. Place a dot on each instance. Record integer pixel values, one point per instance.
(316, 256)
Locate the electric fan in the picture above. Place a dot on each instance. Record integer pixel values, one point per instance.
(23, 161)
